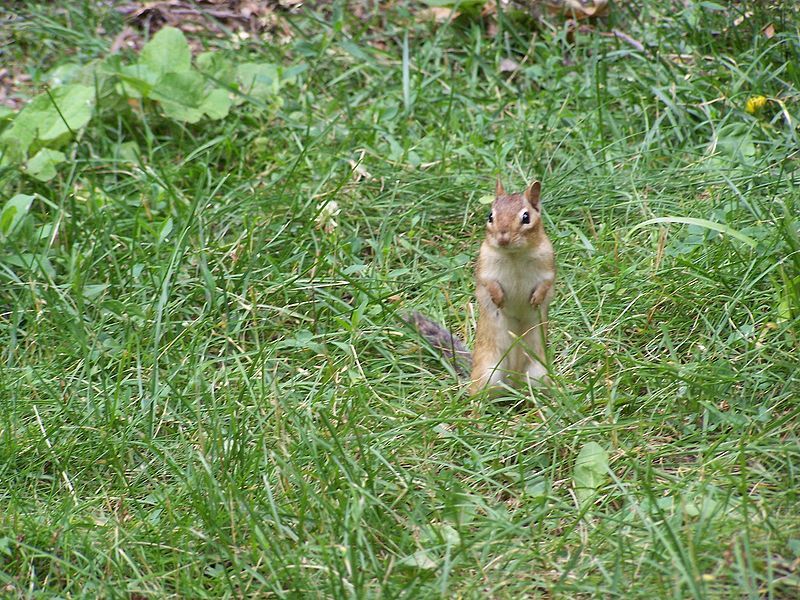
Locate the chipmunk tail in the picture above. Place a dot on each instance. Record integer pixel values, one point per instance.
(444, 341)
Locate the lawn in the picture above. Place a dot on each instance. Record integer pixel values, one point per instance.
(206, 386)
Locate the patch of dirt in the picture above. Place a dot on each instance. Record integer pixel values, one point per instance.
(12, 77)
(12, 80)
(219, 18)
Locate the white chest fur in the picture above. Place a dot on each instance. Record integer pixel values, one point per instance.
(518, 272)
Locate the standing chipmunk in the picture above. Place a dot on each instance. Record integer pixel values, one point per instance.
(514, 278)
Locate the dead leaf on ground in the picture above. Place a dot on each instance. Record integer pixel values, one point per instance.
(127, 38)
(508, 65)
(574, 27)
(579, 9)
(438, 14)
(742, 18)
(489, 9)
(13, 84)
(216, 17)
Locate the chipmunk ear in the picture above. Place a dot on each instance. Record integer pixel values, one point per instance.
(532, 194)
(499, 190)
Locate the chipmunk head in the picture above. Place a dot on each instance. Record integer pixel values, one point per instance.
(515, 218)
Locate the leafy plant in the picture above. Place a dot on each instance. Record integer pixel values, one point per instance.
(162, 76)
(47, 122)
(13, 212)
(590, 472)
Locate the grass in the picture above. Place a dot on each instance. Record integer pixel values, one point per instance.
(205, 394)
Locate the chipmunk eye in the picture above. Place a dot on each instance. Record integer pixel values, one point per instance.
(526, 218)
(491, 218)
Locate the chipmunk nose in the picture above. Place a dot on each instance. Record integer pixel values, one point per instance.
(503, 238)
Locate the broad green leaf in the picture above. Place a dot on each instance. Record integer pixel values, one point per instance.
(180, 95)
(702, 223)
(419, 560)
(36, 263)
(167, 52)
(137, 80)
(734, 145)
(741, 148)
(43, 165)
(15, 141)
(538, 488)
(591, 470)
(179, 112)
(289, 75)
(75, 105)
(217, 104)
(216, 66)
(96, 75)
(450, 534)
(166, 229)
(129, 151)
(41, 121)
(62, 74)
(185, 88)
(121, 309)
(13, 212)
(702, 506)
(260, 80)
(784, 309)
(437, 533)
(93, 290)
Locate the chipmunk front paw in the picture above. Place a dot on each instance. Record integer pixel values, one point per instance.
(496, 293)
(538, 294)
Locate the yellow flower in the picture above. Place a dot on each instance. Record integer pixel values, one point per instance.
(755, 103)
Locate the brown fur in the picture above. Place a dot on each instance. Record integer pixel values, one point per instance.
(514, 278)
(442, 340)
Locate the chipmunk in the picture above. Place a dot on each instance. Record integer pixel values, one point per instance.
(514, 279)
